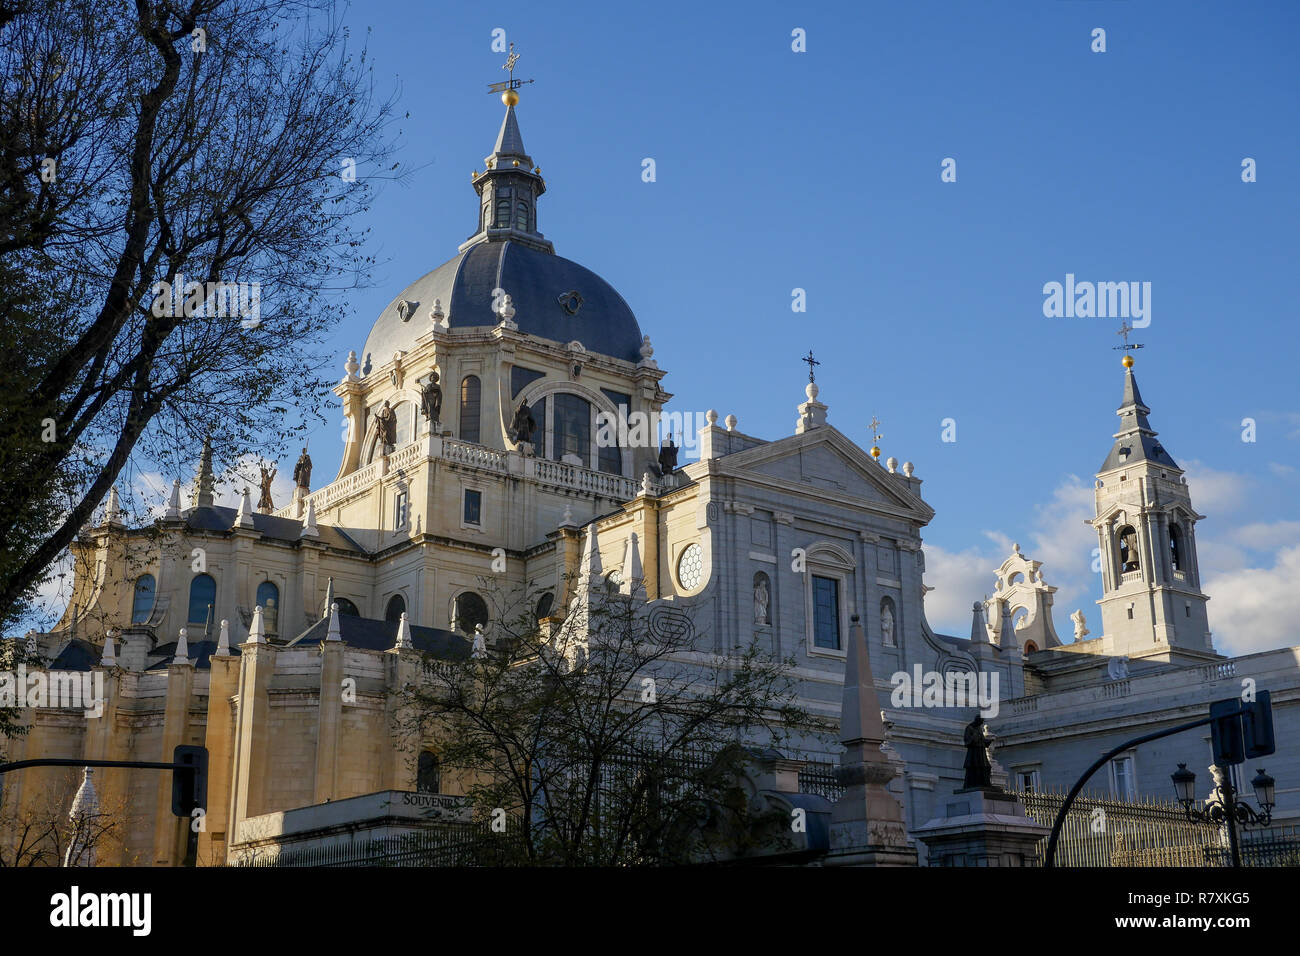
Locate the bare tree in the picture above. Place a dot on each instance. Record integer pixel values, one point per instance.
(605, 739)
(178, 186)
(44, 833)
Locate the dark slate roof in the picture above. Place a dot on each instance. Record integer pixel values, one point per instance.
(370, 634)
(533, 279)
(77, 655)
(1136, 439)
(219, 518)
(510, 142)
(199, 652)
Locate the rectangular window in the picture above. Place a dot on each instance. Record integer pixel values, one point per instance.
(1123, 781)
(399, 510)
(571, 427)
(826, 612)
(473, 507)
(1028, 780)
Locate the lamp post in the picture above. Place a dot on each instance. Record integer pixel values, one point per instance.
(1224, 807)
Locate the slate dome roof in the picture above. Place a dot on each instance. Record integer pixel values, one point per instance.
(540, 286)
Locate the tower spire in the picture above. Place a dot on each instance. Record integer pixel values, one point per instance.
(510, 185)
(203, 480)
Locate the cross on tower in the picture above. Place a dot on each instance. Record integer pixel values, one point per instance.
(811, 362)
(874, 425)
(512, 83)
(1125, 330)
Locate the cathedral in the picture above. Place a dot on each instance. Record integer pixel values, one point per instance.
(478, 460)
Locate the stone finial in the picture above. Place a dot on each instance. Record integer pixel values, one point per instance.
(979, 632)
(711, 416)
(812, 413)
(647, 354)
(646, 487)
(479, 648)
(892, 465)
(223, 639)
(173, 512)
(590, 570)
(403, 634)
(334, 632)
(204, 479)
(86, 802)
(109, 656)
(351, 366)
(633, 574)
(437, 316)
(309, 529)
(257, 630)
(182, 649)
(731, 423)
(329, 599)
(244, 519)
(907, 469)
(567, 520)
(113, 508)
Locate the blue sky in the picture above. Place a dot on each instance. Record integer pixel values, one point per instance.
(820, 170)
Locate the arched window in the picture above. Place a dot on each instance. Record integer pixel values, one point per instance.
(521, 215)
(404, 421)
(1128, 548)
(268, 599)
(762, 599)
(428, 775)
(142, 604)
(1175, 547)
(347, 607)
(203, 592)
(1030, 647)
(396, 608)
(571, 428)
(469, 409)
(503, 209)
(470, 610)
(544, 605)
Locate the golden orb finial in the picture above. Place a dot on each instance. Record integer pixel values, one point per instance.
(875, 451)
(510, 98)
(1127, 361)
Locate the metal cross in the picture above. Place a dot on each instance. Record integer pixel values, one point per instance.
(512, 83)
(1125, 329)
(811, 362)
(875, 434)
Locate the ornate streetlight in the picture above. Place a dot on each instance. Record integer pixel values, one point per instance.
(1224, 808)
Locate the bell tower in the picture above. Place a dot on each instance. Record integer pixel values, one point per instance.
(1146, 528)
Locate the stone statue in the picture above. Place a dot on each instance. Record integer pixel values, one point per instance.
(761, 601)
(431, 398)
(887, 625)
(1080, 625)
(264, 503)
(479, 648)
(302, 471)
(668, 456)
(387, 425)
(979, 760)
(524, 424)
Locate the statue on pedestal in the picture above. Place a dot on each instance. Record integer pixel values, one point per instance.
(979, 759)
(387, 419)
(668, 456)
(431, 399)
(523, 425)
(302, 471)
(264, 503)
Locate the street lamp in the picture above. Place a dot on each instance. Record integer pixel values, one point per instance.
(1224, 808)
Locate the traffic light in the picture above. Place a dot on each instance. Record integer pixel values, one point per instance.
(1225, 732)
(1257, 726)
(190, 782)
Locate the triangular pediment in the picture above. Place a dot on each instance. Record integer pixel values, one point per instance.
(824, 460)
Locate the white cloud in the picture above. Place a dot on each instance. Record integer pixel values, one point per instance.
(1256, 609)
(1216, 492)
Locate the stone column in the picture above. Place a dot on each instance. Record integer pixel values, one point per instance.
(171, 832)
(223, 684)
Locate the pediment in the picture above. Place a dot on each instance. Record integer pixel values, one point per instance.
(825, 461)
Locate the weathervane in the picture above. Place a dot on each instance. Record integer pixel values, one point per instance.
(1125, 329)
(507, 87)
(874, 425)
(811, 362)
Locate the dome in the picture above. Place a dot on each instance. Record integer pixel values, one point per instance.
(541, 287)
